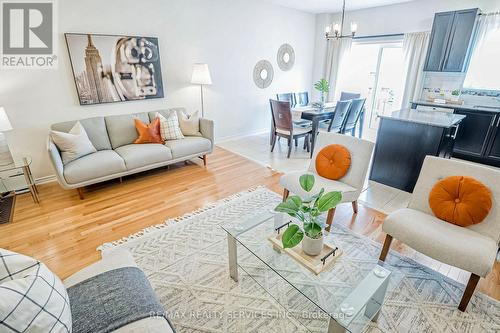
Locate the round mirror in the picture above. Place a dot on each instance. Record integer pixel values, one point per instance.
(263, 74)
(286, 57)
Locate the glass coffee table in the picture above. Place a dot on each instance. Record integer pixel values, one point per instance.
(348, 294)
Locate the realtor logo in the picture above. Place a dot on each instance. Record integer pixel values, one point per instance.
(28, 31)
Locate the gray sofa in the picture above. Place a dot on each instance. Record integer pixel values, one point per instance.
(118, 156)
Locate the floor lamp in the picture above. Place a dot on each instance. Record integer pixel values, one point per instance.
(5, 155)
(201, 76)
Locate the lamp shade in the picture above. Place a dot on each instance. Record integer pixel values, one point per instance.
(4, 121)
(201, 74)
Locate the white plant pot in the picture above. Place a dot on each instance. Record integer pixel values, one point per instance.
(312, 246)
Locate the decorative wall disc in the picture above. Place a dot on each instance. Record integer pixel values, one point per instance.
(286, 57)
(263, 74)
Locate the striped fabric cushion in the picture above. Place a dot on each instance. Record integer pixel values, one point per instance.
(169, 127)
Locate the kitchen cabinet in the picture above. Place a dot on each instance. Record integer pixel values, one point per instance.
(473, 134)
(493, 150)
(450, 41)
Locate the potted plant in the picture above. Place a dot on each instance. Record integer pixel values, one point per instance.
(307, 211)
(323, 87)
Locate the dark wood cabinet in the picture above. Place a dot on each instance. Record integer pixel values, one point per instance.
(473, 133)
(493, 150)
(450, 41)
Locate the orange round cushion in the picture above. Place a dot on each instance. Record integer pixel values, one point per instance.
(333, 162)
(460, 200)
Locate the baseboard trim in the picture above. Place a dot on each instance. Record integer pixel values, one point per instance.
(46, 179)
(235, 137)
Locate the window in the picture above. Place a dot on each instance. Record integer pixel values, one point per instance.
(484, 68)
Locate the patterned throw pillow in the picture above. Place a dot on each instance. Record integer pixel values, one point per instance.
(189, 123)
(169, 127)
(32, 298)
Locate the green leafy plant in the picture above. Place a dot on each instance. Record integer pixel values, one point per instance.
(307, 211)
(322, 86)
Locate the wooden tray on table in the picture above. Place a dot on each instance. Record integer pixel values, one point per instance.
(315, 264)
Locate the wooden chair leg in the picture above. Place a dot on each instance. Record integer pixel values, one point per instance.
(469, 290)
(80, 193)
(329, 219)
(204, 158)
(286, 193)
(355, 206)
(289, 147)
(274, 143)
(385, 248)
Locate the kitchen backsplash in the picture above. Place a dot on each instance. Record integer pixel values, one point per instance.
(442, 85)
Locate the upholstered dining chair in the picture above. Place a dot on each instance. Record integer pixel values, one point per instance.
(287, 97)
(302, 98)
(350, 185)
(283, 126)
(345, 96)
(339, 118)
(472, 248)
(353, 115)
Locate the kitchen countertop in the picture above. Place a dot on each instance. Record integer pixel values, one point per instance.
(458, 106)
(432, 118)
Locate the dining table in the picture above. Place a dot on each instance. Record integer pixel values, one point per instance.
(315, 114)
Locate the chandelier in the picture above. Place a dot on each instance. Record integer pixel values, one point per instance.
(334, 30)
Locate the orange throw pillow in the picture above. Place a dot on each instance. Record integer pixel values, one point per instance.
(149, 133)
(460, 200)
(333, 162)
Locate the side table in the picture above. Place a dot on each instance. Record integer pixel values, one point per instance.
(17, 177)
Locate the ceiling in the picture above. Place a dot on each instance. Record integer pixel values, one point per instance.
(332, 6)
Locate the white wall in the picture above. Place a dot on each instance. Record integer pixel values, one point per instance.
(393, 19)
(229, 35)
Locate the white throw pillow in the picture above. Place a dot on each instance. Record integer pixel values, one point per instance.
(32, 298)
(189, 123)
(169, 127)
(73, 144)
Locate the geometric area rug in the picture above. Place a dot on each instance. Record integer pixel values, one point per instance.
(185, 260)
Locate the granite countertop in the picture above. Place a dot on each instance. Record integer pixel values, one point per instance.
(432, 118)
(459, 107)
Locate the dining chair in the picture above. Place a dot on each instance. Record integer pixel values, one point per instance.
(344, 96)
(302, 98)
(283, 126)
(353, 115)
(286, 97)
(336, 124)
(350, 185)
(473, 248)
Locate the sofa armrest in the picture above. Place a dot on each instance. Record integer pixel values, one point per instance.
(207, 129)
(57, 164)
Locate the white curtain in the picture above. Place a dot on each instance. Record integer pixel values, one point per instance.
(414, 52)
(481, 72)
(336, 52)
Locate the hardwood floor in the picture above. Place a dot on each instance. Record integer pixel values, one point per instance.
(64, 231)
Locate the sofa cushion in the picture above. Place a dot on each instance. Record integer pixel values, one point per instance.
(121, 128)
(139, 155)
(95, 128)
(32, 298)
(446, 242)
(190, 145)
(74, 144)
(100, 164)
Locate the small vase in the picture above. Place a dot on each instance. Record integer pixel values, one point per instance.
(312, 246)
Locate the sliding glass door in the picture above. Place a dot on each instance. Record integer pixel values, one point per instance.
(375, 69)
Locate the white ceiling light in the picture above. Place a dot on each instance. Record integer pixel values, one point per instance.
(334, 30)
